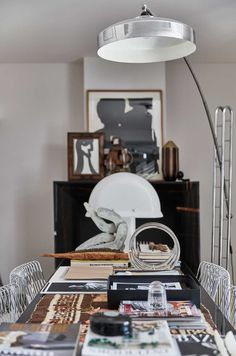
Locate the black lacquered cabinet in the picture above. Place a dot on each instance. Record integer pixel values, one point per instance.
(179, 205)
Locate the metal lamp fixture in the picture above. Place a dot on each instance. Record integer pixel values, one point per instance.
(146, 39)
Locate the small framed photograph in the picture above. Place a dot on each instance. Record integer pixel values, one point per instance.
(135, 117)
(85, 155)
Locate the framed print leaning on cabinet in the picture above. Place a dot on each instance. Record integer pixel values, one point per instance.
(135, 116)
(85, 155)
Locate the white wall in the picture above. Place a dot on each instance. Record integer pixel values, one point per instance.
(187, 125)
(39, 103)
(101, 74)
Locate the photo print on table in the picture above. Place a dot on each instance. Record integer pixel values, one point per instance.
(135, 117)
(89, 286)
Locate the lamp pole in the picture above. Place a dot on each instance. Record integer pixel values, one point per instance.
(217, 150)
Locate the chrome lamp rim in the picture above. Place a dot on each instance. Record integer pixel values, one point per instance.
(146, 39)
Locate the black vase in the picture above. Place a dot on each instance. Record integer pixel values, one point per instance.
(170, 161)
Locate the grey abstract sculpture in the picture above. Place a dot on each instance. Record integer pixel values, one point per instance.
(113, 233)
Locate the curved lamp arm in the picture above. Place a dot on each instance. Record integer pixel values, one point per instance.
(217, 150)
(207, 112)
(211, 129)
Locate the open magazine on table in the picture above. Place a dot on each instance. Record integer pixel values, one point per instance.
(148, 338)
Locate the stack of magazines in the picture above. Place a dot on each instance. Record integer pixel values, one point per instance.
(179, 314)
(39, 339)
(148, 255)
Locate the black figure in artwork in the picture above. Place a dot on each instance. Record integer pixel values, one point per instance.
(84, 148)
(133, 127)
(111, 113)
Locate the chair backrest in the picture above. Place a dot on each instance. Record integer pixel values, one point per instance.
(231, 305)
(11, 305)
(29, 277)
(216, 281)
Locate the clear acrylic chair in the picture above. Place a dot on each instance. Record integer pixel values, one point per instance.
(29, 277)
(11, 303)
(216, 281)
(230, 305)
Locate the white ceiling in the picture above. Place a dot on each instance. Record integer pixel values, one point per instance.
(66, 30)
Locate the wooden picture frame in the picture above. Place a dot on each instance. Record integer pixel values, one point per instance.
(85, 155)
(135, 116)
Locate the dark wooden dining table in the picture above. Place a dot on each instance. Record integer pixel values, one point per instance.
(210, 310)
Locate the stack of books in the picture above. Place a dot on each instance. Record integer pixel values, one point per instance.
(100, 258)
(122, 263)
(179, 314)
(154, 256)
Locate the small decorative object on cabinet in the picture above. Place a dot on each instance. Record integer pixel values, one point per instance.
(118, 158)
(170, 161)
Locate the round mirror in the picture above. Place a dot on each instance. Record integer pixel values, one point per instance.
(161, 251)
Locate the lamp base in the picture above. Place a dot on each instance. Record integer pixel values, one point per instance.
(131, 229)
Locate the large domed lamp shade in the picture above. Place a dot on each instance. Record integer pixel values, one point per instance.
(146, 38)
(129, 195)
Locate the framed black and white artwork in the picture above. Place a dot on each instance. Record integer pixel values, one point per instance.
(85, 155)
(135, 117)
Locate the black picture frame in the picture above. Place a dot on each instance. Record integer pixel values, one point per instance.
(135, 116)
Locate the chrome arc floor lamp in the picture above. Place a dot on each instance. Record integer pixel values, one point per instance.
(148, 38)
